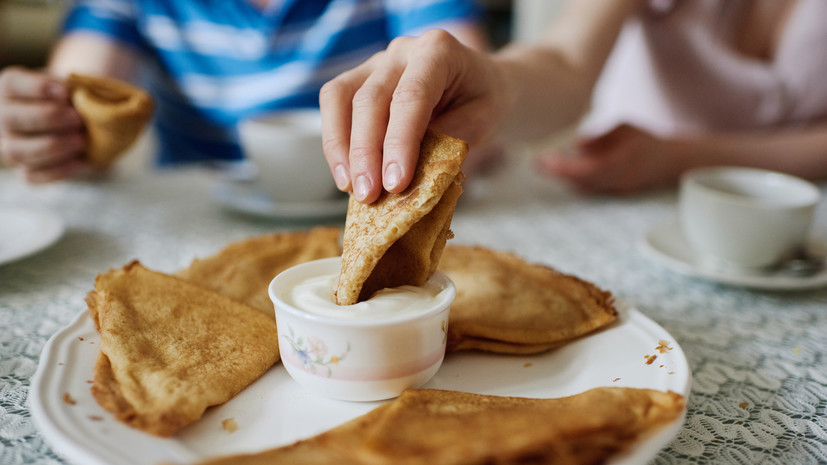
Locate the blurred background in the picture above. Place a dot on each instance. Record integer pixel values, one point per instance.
(29, 27)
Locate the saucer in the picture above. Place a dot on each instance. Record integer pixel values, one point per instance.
(246, 197)
(667, 245)
(25, 232)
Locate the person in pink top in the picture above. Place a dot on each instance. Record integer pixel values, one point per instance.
(664, 86)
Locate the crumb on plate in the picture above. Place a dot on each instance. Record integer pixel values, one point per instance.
(229, 425)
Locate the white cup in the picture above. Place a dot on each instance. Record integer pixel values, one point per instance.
(359, 359)
(745, 219)
(286, 149)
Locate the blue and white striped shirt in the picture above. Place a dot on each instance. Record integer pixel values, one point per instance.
(213, 63)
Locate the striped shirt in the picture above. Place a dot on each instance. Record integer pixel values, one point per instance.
(212, 63)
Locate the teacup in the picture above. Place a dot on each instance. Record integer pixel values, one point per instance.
(286, 149)
(745, 219)
(356, 358)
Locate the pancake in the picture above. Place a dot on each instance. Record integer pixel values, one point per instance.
(399, 239)
(508, 305)
(170, 349)
(243, 269)
(114, 113)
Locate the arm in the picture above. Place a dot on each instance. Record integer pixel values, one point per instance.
(628, 160)
(91, 53)
(800, 152)
(376, 114)
(552, 81)
(40, 132)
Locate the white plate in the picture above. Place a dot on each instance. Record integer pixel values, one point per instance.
(667, 245)
(245, 197)
(24, 232)
(274, 411)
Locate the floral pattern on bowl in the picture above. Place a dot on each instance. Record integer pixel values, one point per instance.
(312, 352)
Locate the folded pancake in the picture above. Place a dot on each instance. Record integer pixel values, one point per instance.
(428, 427)
(337, 446)
(449, 427)
(399, 238)
(114, 113)
(170, 349)
(505, 304)
(243, 269)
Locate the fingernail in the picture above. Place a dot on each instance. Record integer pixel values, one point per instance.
(361, 188)
(341, 177)
(392, 176)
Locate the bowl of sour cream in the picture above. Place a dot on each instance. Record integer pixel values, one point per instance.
(372, 350)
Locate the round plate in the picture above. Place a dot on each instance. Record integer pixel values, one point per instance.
(25, 232)
(667, 245)
(245, 197)
(275, 411)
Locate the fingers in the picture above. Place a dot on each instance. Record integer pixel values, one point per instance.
(63, 170)
(20, 83)
(371, 112)
(417, 93)
(40, 132)
(335, 101)
(31, 117)
(43, 151)
(375, 116)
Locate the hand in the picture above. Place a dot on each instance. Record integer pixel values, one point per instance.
(375, 116)
(40, 132)
(623, 161)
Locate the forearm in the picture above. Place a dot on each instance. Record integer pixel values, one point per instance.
(541, 91)
(94, 54)
(801, 152)
(549, 84)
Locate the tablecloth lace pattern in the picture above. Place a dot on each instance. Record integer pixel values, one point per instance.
(759, 359)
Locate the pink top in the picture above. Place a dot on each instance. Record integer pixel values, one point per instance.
(675, 70)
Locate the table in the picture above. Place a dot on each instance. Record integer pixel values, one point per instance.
(759, 358)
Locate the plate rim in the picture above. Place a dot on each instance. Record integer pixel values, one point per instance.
(222, 192)
(676, 264)
(69, 449)
(55, 228)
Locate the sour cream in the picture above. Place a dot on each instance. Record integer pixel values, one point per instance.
(316, 295)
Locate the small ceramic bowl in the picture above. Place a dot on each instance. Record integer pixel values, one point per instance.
(359, 359)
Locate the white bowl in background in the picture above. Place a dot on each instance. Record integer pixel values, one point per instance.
(286, 149)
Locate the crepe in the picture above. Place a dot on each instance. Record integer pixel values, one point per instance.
(473, 428)
(114, 113)
(505, 304)
(337, 446)
(435, 427)
(398, 239)
(243, 270)
(170, 349)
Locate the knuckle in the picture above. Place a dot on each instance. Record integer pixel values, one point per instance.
(361, 154)
(398, 44)
(332, 145)
(412, 90)
(369, 95)
(438, 39)
(332, 89)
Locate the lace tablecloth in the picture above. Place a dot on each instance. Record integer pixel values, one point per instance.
(759, 359)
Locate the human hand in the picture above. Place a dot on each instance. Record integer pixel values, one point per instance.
(40, 131)
(375, 116)
(623, 161)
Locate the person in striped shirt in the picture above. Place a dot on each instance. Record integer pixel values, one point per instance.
(208, 64)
